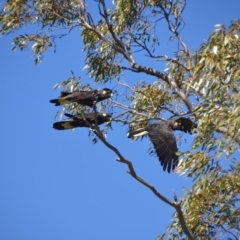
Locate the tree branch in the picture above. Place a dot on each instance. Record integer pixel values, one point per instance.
(177, 206)
(120, 46)
(174, 27)
(134, 66)
(131, 171)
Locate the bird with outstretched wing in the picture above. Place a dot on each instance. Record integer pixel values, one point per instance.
(163, 139)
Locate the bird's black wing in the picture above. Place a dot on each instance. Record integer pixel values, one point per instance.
(87, 116)
(165, 145)
(81, 97)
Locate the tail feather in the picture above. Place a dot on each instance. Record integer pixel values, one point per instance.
(59, 101)
(64, 125)
(137, 133)
(54, 101)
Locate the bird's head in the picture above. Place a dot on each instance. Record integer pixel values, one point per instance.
(176, 125)
(184, 124)
(106, 117)
(106, 92)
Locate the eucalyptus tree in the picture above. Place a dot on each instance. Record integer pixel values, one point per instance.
(203, 85)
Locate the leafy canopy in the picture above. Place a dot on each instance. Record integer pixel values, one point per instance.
(202, 84)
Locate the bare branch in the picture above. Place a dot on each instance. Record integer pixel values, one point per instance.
(166, 58)
(177, 206)
(182, 96)
(132, 110)
(125, 84)
(129, 69)
(224, 229)
(173, 27)
(120, 45)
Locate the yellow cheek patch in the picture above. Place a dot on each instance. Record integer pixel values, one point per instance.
(104, 114)
(63, 101)
(176, 124)
(104, 92)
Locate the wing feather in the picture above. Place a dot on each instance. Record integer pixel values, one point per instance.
(165, 145)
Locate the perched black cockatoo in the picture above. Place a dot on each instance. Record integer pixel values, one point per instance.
(87, 98)
(79, 121)
(163, 139)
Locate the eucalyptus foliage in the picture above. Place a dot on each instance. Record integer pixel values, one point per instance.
(203, 85)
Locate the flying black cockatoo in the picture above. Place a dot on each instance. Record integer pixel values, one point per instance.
(163, 139)
(79, 121)
(87, 98)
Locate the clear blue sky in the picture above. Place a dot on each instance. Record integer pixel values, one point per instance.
(58, 185)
